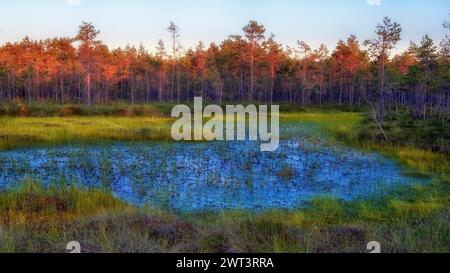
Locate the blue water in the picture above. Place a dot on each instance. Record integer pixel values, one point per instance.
(210, 176)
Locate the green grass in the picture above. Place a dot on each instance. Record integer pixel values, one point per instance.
(33, 219)
(17, 132)
(333, 124)
(20, 132)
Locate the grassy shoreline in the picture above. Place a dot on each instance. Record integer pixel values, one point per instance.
(33, 219)
(37, 220)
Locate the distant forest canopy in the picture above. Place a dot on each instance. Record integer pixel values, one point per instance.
(243, 68)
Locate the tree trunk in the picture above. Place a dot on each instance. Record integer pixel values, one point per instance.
(382, 103)
(341, 85)
(61, 84)
(88, 89)
(160, 86)
(252, 61)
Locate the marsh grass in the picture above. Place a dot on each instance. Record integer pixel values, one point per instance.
(286, 173)
(344, 128)
(29, 132)
(36, 219)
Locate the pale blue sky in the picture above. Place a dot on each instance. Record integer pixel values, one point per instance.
(125, 22)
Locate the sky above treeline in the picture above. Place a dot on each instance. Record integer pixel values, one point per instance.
(133, 22)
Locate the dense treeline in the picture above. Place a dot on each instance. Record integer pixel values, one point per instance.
(251, 67)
